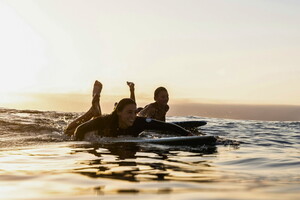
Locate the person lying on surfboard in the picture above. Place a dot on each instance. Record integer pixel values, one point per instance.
(124, 121)
(156, 110)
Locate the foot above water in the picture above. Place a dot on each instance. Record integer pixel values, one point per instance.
(97, 88)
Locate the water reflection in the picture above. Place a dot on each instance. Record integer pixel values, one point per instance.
(146, 163)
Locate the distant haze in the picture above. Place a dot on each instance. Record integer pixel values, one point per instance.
(81, 103)
(239, 111)
(220, 51)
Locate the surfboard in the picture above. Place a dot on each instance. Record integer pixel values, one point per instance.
(190, 124)
(182, 140)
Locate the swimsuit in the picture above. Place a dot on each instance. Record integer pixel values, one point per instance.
(102, 126)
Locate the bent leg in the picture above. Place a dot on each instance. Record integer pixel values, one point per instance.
(93, 112)
(74, 124)
(96, 99)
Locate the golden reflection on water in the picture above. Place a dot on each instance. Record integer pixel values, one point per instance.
(130, 163)
(82, 170)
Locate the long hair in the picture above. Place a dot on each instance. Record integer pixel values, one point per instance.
(114, 115)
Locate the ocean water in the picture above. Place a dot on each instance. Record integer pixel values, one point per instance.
(252, 160)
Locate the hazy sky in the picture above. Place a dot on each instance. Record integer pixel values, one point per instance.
(225, 51)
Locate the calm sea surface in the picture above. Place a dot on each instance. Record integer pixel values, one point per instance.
(252, 160)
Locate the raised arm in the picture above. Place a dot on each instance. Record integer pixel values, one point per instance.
(131, 88)
(149, 112)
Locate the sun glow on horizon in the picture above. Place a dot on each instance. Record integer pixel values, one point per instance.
(197, 50)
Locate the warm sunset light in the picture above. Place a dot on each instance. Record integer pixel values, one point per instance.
(203, 52)
(149, 99)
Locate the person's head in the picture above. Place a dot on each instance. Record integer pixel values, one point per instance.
(125, 110)
(161, 96)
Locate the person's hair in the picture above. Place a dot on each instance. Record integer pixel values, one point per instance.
(158, 90)
(121, 105)
(114, 115)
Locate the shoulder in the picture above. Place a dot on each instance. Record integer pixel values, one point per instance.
(102, 118)
(102, 121)
(148, 110)
(106, 117)
(150, 106)
(153, 106)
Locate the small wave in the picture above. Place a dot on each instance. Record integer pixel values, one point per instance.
(225, 142)
(295, 123)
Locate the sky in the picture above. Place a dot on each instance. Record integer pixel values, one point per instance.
(202, 51)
